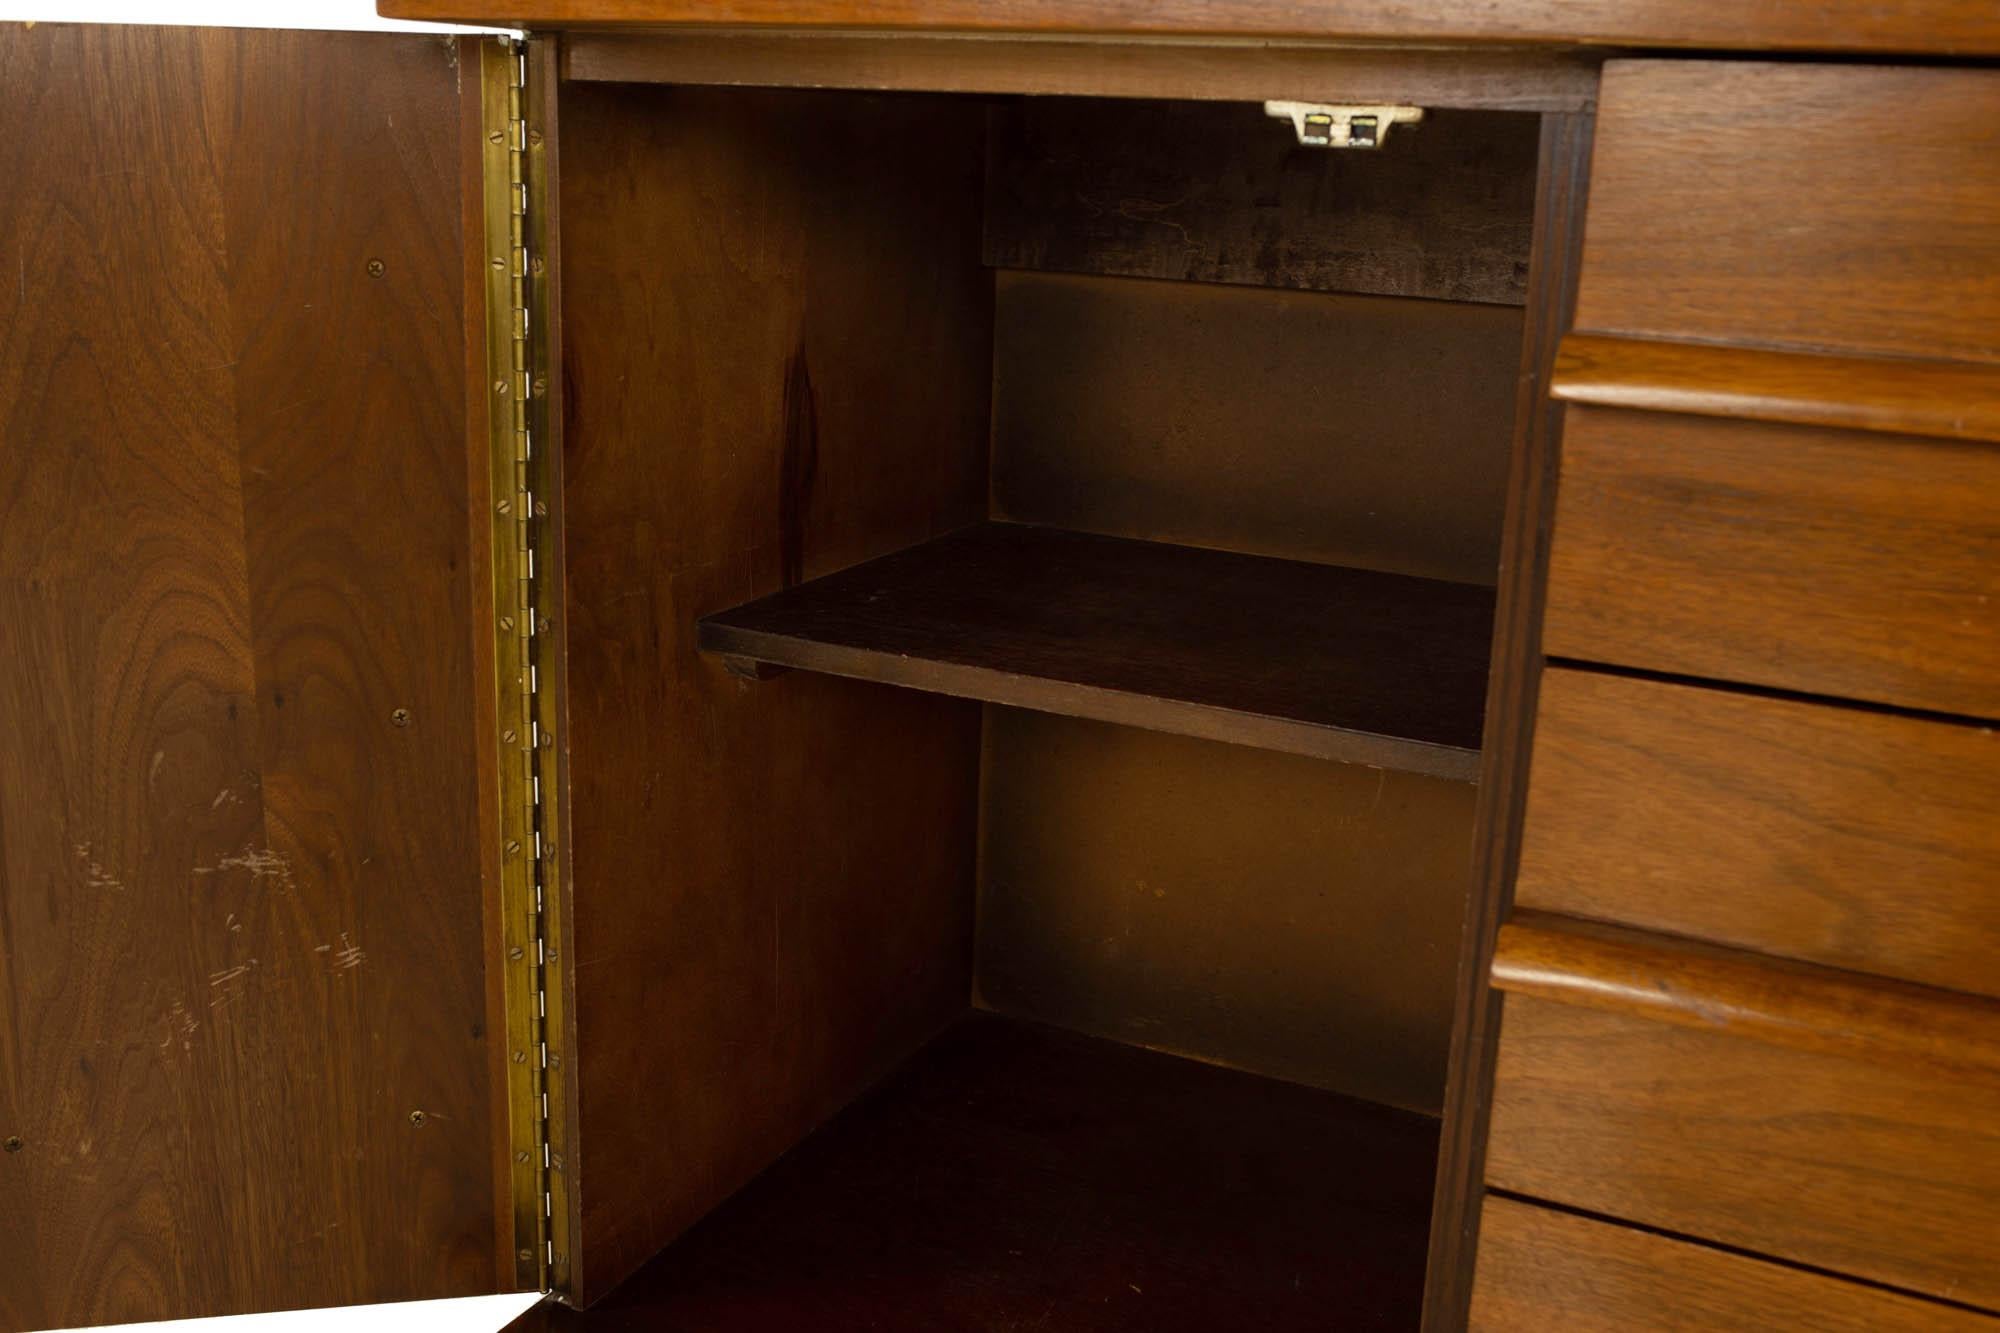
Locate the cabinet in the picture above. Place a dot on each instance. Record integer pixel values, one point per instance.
(889, 677)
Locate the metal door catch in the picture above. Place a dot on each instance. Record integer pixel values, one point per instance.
(1325, 126)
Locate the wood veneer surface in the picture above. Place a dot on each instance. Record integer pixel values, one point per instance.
(1856, 839)
(1013, 1176)
(1960, 27)
(777, 363)
(1881, 1171)
(1313, 659)
(241, 909)
(1832, 562)
(1745, 202)
(1541, 1269)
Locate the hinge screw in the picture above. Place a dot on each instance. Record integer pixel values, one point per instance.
(500, 387)
(376, 268)
(401, 717)
(505, 506)
(508, 736)
(536, 265)
(498, 136)
(499, 263)
(535, 138)
(540, 386)
(517, 954)
(521, 1156)
(417, 1118)
(507, 622)
(520, 1057)
(555, 1060)
(527, 1256)
(548, 740)
(512, 846)
(541, 509)
(13, 1143)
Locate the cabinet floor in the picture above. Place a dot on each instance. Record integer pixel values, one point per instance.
(1016, 1177)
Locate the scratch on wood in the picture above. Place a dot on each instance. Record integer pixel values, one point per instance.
(261, 862)
(181, 1027)
(349, 955)
(94, 875)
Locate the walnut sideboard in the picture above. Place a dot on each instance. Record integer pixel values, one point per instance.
(1002, 664)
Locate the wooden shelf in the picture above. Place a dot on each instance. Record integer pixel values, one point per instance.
(1015, 1176)
(1337, 663)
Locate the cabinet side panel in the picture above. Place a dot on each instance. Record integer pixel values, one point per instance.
(777, 361)
(240, 906)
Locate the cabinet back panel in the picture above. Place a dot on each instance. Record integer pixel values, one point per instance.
(1221, 192)
(1352, 430)
(777, 363)
(1275, 913)
(241, 934)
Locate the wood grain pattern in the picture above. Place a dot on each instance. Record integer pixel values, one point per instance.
(777, 349)
(1512, 688)
(1019, 1177)
(1496, 78)
(1351, 430)
(1902, 396)
(1854, 839)
(1962, 27)
(1704, 986)
(1884, 1173)
(1765, 203)
(1807, 559)
(241, 938)
(1312, 659)
(1540, 1269)
(1269, 912)
(1187, 191)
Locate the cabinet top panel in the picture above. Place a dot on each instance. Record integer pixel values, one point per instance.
(1955, 27)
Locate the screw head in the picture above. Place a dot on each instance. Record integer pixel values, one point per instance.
(12, 1143)
(417, 1118)
(516, 954)
(527, 1256)
(520, 1057)
(401, 717)
(376, 268)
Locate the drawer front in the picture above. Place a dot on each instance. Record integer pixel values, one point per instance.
(1858, 565)
(1540, 1270)
(1842, 836)
(1826, 206)
(1886, 1172)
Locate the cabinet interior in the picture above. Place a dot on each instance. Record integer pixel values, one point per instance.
(1183, 451)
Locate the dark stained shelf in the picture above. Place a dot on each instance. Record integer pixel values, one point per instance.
(1014, 1177)
(1337, 663)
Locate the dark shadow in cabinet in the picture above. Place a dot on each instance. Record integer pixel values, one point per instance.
(784, 359)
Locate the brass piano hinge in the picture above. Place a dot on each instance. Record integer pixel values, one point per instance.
(526, 711)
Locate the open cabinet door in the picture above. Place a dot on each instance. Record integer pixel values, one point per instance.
(254, 1050)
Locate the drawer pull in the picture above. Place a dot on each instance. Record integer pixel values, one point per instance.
(1956, 400)
(1774, 1000)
